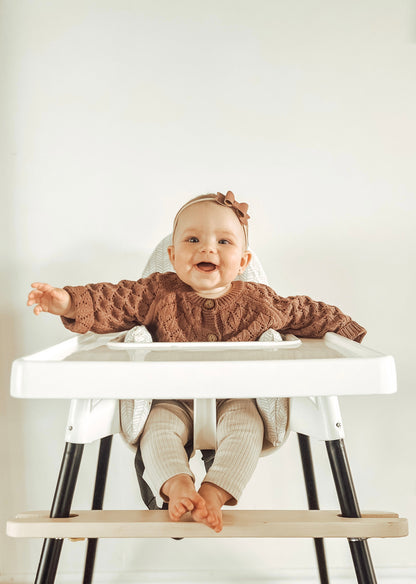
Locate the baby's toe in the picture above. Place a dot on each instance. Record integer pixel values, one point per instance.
(188, 505)
(214, 521)
(200, 510)
(174, 514)
(180, 508)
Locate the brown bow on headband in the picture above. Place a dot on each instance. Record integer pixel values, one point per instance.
(240, 208)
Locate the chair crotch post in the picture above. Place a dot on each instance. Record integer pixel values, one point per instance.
(205, 424)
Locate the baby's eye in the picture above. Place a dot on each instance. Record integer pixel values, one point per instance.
(192, 240)
(224, 241)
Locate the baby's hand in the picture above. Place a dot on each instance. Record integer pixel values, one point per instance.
(50, 299)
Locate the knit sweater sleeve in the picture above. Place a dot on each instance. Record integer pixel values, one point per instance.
(106, 308)
(302, 316)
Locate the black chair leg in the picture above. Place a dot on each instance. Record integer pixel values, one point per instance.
(97, 503)
(313, 503)
(61, 507)
(347, 497)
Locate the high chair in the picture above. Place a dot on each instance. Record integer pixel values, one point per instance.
(96, 371)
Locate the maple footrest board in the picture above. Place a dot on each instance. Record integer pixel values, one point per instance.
(237, 523)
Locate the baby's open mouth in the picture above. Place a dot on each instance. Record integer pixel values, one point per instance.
(206, 266)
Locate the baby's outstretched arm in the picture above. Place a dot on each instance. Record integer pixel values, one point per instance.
(49, 299)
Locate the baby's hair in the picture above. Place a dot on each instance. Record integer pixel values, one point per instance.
(240, 209)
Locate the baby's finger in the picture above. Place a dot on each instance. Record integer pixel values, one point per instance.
(38, 309)
(32, 302)
(34, 296)
(42, 286)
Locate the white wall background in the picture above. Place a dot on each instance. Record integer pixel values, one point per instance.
(116, 112)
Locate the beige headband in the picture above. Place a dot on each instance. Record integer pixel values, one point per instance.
(228, 200)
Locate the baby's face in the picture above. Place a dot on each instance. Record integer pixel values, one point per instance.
(208, 250)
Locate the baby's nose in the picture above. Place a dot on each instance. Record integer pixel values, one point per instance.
(208, 247)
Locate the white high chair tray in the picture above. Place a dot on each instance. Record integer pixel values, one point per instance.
(85, 367)
(289, 342)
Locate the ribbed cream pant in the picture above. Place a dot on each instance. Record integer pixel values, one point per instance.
(239, 443)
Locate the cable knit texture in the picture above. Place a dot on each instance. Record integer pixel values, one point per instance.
(173, 312)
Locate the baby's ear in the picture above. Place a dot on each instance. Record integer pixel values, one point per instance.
(171, 254)
(245, 260)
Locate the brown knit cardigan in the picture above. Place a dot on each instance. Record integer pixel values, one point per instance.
(173, 312)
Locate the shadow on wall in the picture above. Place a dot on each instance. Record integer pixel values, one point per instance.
(12, 454)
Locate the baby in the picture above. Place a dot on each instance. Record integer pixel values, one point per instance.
(200, 301)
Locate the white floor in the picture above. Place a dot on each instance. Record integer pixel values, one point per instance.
(384, 576)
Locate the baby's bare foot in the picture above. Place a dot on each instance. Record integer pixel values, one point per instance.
(183, 498)
(215, 498)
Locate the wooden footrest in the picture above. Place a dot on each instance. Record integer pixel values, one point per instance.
(237, 523)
